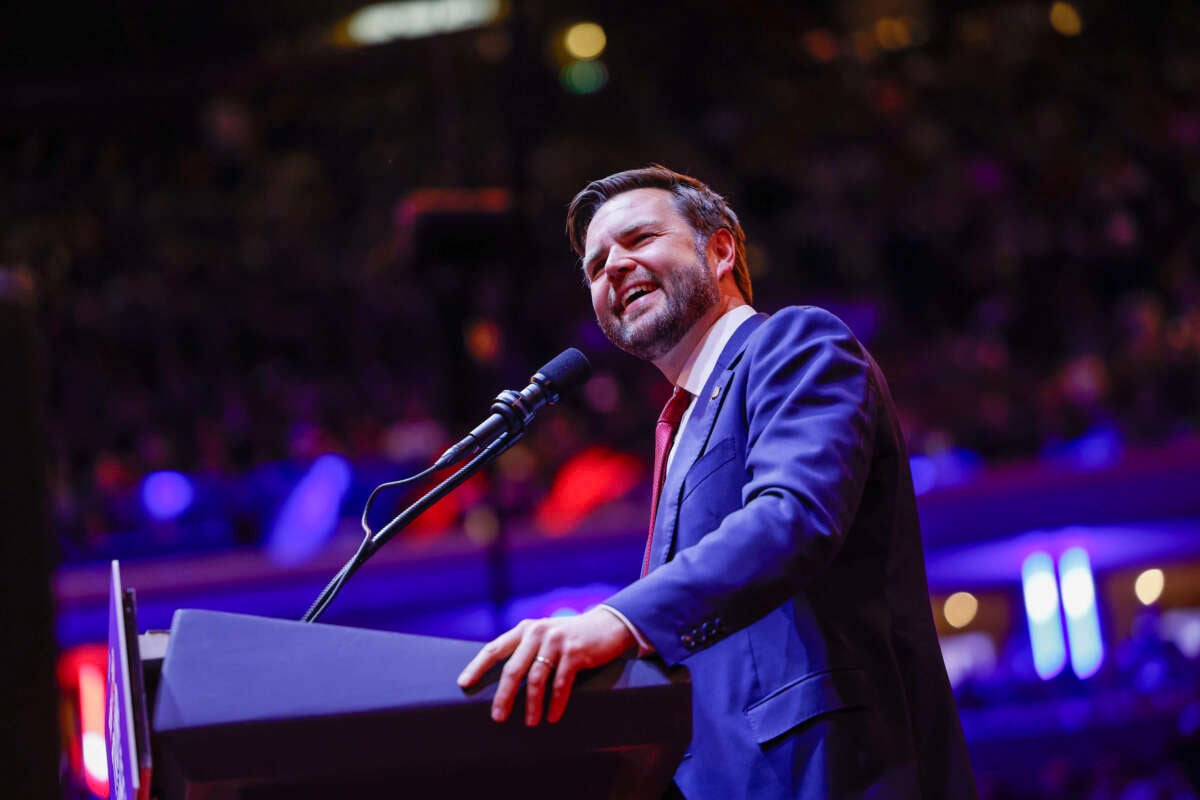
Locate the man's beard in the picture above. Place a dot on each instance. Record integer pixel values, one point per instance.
(688, 294)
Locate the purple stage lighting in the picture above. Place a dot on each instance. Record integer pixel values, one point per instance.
(166, 495)
(924, 474)
(309, 516)
(1098, 448)
(952, 467)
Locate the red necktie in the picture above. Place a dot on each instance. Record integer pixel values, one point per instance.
(664, 434)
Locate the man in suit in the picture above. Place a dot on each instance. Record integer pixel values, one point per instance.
(784, 566)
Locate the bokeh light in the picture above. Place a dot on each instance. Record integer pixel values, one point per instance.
(587, 481)
(481, 525)
(821, 45)
(960, 609)
(412, 19)
(585, 40)
(92, 685)
(309, 516)
(892, 33)
(166, 495)
(1042, 613)
(1065, 19)
(1149, 586)
(483, 340)
(1083, 619)
(584, 77)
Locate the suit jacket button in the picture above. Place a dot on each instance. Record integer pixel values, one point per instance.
(687, 641)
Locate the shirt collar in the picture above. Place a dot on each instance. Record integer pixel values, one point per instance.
(703, 360)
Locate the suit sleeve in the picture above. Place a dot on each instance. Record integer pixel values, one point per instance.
(808, 406)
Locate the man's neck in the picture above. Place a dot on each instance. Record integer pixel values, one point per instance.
(672, 364)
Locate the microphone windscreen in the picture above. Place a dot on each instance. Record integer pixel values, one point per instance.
(568, 370)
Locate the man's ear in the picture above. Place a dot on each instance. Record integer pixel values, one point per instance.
(722, 252)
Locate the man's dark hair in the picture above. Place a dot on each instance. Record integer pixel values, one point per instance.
(704, 209)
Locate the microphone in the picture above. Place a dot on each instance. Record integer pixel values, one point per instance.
(512, 411)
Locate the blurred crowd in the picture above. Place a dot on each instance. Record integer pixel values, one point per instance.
(242, 280)
(1129, 732)
(237, 275)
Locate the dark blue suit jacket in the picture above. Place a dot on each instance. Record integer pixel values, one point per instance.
(787, 575)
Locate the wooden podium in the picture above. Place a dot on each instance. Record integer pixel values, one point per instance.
(250, 707)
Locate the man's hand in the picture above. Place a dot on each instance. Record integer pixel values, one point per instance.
(539, 648)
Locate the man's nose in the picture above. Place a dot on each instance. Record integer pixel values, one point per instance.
(618, 262)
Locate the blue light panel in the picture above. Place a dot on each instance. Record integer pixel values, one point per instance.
(1079, 602)
(1042, 611)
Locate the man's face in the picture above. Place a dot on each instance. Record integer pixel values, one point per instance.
(649, 276)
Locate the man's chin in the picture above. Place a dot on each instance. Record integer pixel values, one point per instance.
(646, 342)
(647, 351)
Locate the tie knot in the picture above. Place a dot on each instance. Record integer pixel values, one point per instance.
(672, 412)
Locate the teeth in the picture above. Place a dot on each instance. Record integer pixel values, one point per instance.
(636, 292)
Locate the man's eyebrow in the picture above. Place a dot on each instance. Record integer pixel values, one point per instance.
(636, 227)
(624, 233)
(590, 260)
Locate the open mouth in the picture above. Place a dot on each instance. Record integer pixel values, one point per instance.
(634, 294)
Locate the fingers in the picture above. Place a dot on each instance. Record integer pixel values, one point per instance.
(535, 685)
(489, 655)
(547, 653)
(516, 669)
(564, 680)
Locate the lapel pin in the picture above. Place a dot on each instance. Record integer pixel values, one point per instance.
(716, 391)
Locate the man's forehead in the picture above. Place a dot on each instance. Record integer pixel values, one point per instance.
(635, 207)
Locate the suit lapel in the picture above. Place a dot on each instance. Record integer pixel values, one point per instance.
(694, 439)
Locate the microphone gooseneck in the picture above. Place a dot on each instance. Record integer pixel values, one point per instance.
(511, 412)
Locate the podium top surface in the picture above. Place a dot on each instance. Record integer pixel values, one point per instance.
(223, 669)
